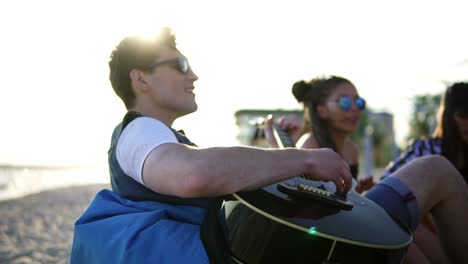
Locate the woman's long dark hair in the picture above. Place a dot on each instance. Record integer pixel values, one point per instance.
(312, 94)
(452, 143)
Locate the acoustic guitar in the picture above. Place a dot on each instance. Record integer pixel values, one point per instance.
(305, 221)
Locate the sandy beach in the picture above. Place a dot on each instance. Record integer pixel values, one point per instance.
(39, 228)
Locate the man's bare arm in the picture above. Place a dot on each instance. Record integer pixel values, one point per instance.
(184, 171)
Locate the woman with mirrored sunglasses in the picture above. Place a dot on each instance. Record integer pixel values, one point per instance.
(332, 111)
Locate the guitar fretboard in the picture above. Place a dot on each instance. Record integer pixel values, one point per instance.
(283, 137)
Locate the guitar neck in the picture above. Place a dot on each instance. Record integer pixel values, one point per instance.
(283, 138)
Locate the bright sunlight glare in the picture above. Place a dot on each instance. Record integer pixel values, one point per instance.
(57, 105)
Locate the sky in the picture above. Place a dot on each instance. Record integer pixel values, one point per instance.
(58, 108)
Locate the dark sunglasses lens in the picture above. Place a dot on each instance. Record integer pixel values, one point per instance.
(345, 103)
(183, 65)
(361, 103)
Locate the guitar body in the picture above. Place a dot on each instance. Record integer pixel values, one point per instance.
(270, 226)
(265, 226)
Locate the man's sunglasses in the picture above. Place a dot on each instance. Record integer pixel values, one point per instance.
(345, 103)
(180, 63)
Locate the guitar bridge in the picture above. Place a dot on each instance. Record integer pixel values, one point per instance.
(302, 191)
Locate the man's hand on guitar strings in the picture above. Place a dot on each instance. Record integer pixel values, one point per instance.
(329, 166)
(341, 192)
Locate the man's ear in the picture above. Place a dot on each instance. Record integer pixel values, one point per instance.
(138, 80)
(322, 111)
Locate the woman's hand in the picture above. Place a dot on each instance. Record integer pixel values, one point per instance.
(289, 123)
(364, 184)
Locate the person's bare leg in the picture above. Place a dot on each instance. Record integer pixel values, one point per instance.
(415, 256)
(440, 189)
(429, 244)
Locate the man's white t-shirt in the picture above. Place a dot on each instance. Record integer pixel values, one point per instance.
(137, 140)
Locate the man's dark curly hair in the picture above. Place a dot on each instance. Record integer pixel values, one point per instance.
(135, 52)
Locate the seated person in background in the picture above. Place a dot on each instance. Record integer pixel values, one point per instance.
(450, 138)
(332, 109)
(163, 184)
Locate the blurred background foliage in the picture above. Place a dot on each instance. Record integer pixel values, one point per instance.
(424, 115)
